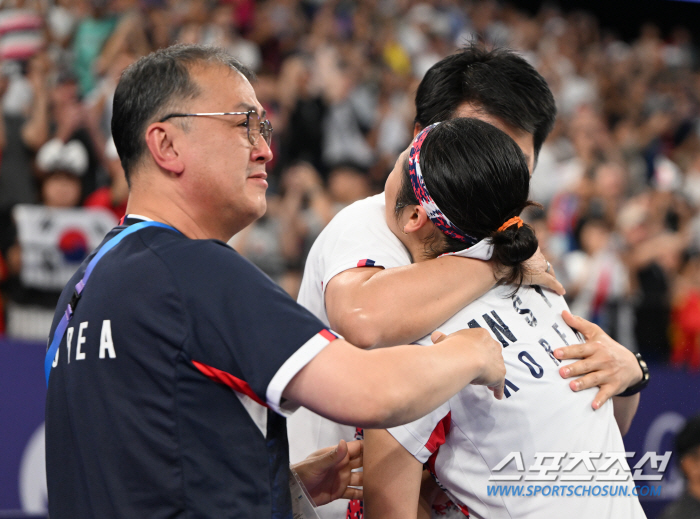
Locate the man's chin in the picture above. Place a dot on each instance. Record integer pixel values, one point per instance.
(248, 218)
(259, 212)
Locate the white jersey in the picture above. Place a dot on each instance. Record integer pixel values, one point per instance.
(466, 439)
(358, 236)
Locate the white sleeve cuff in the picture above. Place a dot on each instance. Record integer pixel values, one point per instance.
(408, 441)
(291, 367)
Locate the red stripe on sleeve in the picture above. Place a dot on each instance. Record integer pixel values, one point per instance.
(330, 336)
(235, 383)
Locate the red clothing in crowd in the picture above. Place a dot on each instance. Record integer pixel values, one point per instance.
(686, 331)
(103, 198)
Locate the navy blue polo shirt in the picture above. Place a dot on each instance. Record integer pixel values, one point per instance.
(161, 400)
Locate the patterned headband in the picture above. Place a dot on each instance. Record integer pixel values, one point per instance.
(426, 201)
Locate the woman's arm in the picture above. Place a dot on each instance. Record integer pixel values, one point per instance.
(371, 306)
(392, 478)
(624, 408)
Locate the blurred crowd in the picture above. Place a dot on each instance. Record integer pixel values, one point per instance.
(618, 179)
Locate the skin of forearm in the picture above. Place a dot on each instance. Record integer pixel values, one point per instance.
(391, 478)
(385, 387)
(403, 304)
(624, 409)
(35, 132)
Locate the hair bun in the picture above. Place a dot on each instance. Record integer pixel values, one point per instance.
(512, 247)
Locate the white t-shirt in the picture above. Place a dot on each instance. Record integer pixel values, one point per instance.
(358, 236)
(470, 435)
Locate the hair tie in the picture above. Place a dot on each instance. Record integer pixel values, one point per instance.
(425, 200)
(512, 221)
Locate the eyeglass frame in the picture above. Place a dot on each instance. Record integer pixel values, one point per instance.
(265, 129)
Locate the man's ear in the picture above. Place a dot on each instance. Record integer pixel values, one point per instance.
(417, 220)
(161, 139)
(417, 128)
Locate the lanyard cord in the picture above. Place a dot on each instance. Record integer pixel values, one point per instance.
(80, 286)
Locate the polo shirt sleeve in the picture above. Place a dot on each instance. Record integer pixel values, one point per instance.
(244, 330)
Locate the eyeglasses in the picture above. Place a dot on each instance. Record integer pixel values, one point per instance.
(255, 130)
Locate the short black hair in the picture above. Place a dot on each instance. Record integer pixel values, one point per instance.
(479, 178)
(688, 438)
(498, 81)
(154, 84)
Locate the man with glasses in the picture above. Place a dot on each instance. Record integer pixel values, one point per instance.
(172, 359)
(255, 129)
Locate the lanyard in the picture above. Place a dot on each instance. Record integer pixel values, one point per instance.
(68, 314)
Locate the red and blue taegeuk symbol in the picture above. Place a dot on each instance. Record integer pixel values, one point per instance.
(73, 244)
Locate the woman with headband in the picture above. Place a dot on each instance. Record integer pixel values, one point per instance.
(459, 189)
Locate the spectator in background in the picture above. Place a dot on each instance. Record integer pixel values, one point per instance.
(599, 279)
(113, 196)
(108, 29)
(303, 110)
(62, 167)
(53, 236)
(21, 116)
(61, 19)
(652, 255)
(685, 317)
(348, 118)
(99, 101)
(9, 253)
(394, 113)
(346, 184)
(67, 120)
(91, 34)
(609, 189)
(687, 453)
(219, 31)
(24, 124)
(21, 24)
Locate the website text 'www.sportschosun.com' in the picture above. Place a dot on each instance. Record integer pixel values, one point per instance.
(573, 490)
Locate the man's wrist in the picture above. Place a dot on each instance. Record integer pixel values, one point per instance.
(643, 382)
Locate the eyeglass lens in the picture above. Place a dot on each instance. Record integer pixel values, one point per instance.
(256, 128)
